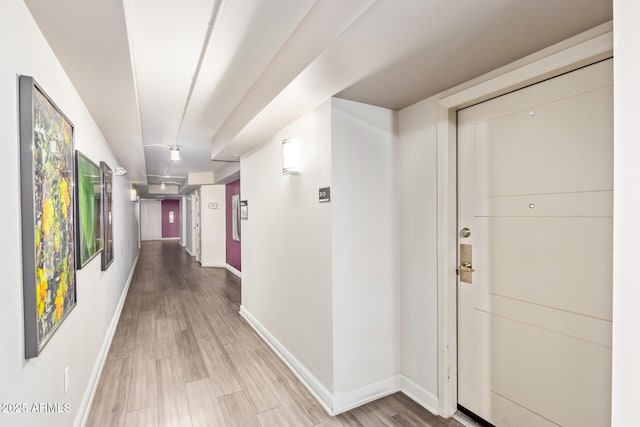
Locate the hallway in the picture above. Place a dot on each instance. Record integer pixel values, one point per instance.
(182, 356)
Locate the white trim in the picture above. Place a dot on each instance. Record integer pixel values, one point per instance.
(212, 265)
(87, 400)
(234, 270)
(447, 263)
(580, 50)
(465, 420)
(315, 387)
(170, 238)
(343, 402)
(188, 251)
(583, 49)
(422, 396)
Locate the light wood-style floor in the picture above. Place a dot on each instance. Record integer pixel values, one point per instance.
(182, 356)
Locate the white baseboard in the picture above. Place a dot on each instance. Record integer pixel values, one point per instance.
(315, 387)
(87, 400)
(234, 270)
(188, 251)
(343, 402)
(338, 403)
(212, 265)
(423, 397)
(170, 238)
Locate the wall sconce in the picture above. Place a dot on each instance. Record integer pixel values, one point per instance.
(163, 186)
(175, 153)
(120, 171)
(291, 156)
(134, 195)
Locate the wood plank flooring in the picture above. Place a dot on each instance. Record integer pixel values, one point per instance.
(183, 357)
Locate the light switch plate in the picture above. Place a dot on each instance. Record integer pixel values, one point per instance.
(66, 379)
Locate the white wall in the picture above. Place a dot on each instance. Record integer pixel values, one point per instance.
(626, 243)
(80, 338)
(213, 232)
(195, 221)
(286, 244)
(188, 220)
(416, 185)
(183, 221)
(151, 219)
(321, 278)
(365, 327)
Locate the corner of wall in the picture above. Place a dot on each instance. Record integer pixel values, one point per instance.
(415, 177)
(362, 207)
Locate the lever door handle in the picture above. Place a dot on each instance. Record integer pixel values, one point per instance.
(466, 266)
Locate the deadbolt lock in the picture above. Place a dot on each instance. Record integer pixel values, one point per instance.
(465, 232)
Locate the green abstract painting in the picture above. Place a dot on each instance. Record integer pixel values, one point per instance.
(48, 253)
(89, 196)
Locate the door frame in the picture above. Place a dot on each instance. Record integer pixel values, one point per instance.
(197, 227)
(578, 51)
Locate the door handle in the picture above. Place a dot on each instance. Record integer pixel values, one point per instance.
(465, 269)
(466, 266)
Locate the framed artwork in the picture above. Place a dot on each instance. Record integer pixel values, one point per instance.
(244, 209)
(235, 217)
(88, 204)
(48, 217)
(106, 185)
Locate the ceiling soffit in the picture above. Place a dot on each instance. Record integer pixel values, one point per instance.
(395, 54)
(218, 78)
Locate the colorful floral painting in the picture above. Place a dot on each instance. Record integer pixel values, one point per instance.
(48, 215)
(89, 195)
(107, 217)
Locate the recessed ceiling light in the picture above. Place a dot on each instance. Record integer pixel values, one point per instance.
(236, 155)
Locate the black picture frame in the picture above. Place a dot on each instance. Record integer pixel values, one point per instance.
(106, 185)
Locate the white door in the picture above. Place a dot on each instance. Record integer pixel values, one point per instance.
(535, 190)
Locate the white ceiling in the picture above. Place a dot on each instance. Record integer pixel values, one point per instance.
(218, 77)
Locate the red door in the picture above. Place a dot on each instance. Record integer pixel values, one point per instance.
(170, 219)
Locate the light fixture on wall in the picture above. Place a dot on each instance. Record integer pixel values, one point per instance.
(291, 156)
(120, 171)
(175, 153)
(163, 186)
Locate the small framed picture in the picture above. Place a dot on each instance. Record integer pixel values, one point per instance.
(235, 217)
(244, 209)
